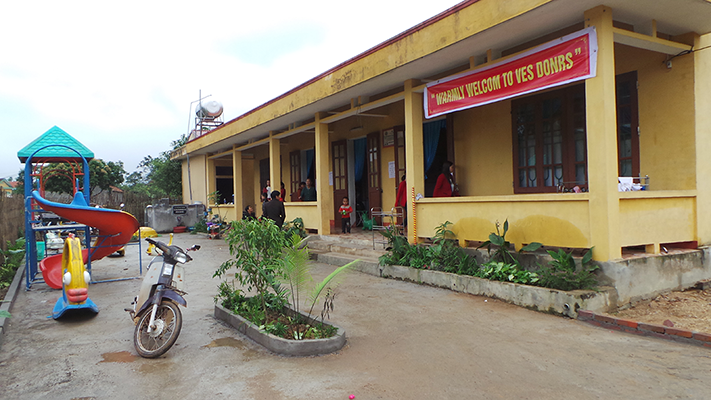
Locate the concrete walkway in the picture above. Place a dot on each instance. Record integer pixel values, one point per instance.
(405, 341)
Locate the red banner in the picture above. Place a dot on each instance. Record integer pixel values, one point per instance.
(559, 62)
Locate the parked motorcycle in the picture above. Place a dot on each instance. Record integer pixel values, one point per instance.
(155, 310)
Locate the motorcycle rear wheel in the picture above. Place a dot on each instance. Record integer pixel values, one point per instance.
(168, 321)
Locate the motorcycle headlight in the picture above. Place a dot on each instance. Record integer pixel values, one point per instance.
(181, 257)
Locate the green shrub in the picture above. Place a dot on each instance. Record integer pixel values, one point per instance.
(11, 260)
(278, 269)
(562, 273)
(502, 247)
(499, 271)
(443, 255)
(200, 226)
(296, 226)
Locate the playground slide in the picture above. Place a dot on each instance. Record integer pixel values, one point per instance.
(115, 230)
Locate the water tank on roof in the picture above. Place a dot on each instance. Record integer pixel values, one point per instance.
(209, 110)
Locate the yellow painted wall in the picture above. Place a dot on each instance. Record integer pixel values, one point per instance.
(260, 153)
(702, 93)
(647, 217)
(306, 210)
(552, 219)
(248, 179)
(226, 212)
(666, 116)
(483, 150)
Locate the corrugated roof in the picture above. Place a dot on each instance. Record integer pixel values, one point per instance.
(55, 136)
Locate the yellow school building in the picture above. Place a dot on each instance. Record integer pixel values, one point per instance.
(605, 146)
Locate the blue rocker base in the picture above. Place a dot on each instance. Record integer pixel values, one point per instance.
(62, 306)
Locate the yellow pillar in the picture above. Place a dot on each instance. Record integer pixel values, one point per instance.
(237, 182)
(702, 97)
(602, 141)
(324, 192)
(211, 180)
(274, 163)
(414, 152)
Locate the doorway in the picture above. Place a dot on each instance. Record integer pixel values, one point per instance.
(358, 191)
(434, 136)
(340, 176)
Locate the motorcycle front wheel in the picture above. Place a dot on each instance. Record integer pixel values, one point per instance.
(168, 323)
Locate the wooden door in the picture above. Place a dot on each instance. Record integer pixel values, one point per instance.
(374, 187)
(340, 176)
(295, 173)
(399, 154)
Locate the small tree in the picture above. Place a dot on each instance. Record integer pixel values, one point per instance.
(256, 246)
(158, 176)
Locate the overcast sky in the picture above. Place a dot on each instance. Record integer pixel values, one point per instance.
(120, 76)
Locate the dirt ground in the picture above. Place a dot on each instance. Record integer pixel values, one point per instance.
(690, 310)
(404, 341)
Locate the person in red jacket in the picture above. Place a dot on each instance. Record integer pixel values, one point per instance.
(401, 199)
(445, 186)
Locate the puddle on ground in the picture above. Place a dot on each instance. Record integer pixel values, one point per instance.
(155, 366)
(119, 356)
(247, 353)
(226, 342)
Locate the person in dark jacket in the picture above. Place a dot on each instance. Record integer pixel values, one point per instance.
(274, 209)
(309, 192)
(248, 213)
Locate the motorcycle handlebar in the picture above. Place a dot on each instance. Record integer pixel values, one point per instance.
(162, 246)
(165, 249)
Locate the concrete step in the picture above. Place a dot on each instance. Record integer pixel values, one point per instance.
(368, 265)
(357, 248)
(355, 239)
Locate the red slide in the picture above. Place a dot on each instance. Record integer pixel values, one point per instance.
(115, 230)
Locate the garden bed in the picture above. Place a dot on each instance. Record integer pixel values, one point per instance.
(553, 301)
(278, 345)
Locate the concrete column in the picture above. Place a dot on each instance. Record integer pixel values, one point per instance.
(211, 179)
(702, 97)
(237, 182)
(274, 163)
(324, 192)
(602, 141)
(414, 152)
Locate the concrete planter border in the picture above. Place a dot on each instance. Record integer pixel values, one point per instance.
(552, 301)
(533, 297)
(278, 345)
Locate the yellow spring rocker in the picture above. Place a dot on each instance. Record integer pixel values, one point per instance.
(75, 281)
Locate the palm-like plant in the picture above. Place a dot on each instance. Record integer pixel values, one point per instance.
(329, 282)
(295, 268)
(296, 274)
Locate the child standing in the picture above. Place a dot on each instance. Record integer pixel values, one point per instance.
(345, 212)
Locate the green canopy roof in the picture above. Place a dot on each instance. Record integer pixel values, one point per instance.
(54, 136)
